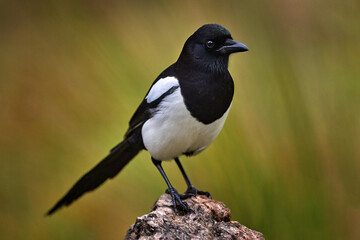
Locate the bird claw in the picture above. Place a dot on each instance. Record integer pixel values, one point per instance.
(176, 199)
(192, 191)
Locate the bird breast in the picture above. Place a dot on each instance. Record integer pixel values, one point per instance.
(173, 131)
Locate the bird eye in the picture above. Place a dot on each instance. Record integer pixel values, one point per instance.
(210, 44)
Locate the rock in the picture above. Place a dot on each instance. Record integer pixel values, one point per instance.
(209, 219)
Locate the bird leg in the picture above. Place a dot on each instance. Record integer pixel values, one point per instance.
(191, 190)
(176, 197)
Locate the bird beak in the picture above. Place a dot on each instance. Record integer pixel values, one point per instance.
(232, 46)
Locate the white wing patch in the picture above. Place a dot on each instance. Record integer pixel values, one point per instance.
(160, 87)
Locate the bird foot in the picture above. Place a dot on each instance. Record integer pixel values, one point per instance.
(176, 199)
(192, 191)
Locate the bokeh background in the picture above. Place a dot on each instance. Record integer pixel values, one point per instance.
(72, 73)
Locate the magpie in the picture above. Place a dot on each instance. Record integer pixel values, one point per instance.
(181, 114)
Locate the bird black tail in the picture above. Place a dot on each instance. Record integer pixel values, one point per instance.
(109, 167)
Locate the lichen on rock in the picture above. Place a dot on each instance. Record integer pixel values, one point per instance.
(209, 219)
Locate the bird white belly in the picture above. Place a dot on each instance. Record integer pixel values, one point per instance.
(172, 131)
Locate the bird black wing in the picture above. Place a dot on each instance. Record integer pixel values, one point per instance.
(145, 109)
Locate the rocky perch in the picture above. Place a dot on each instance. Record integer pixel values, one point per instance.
(209, 219)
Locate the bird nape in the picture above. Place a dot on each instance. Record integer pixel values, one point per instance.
(182, 113)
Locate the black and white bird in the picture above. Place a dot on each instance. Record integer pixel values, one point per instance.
(182, 113)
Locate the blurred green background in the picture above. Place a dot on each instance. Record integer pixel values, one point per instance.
(72, 73)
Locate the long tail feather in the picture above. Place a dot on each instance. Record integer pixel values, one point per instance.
(109, 167)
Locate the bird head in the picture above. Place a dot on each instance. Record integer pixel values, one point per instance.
(210, 47)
